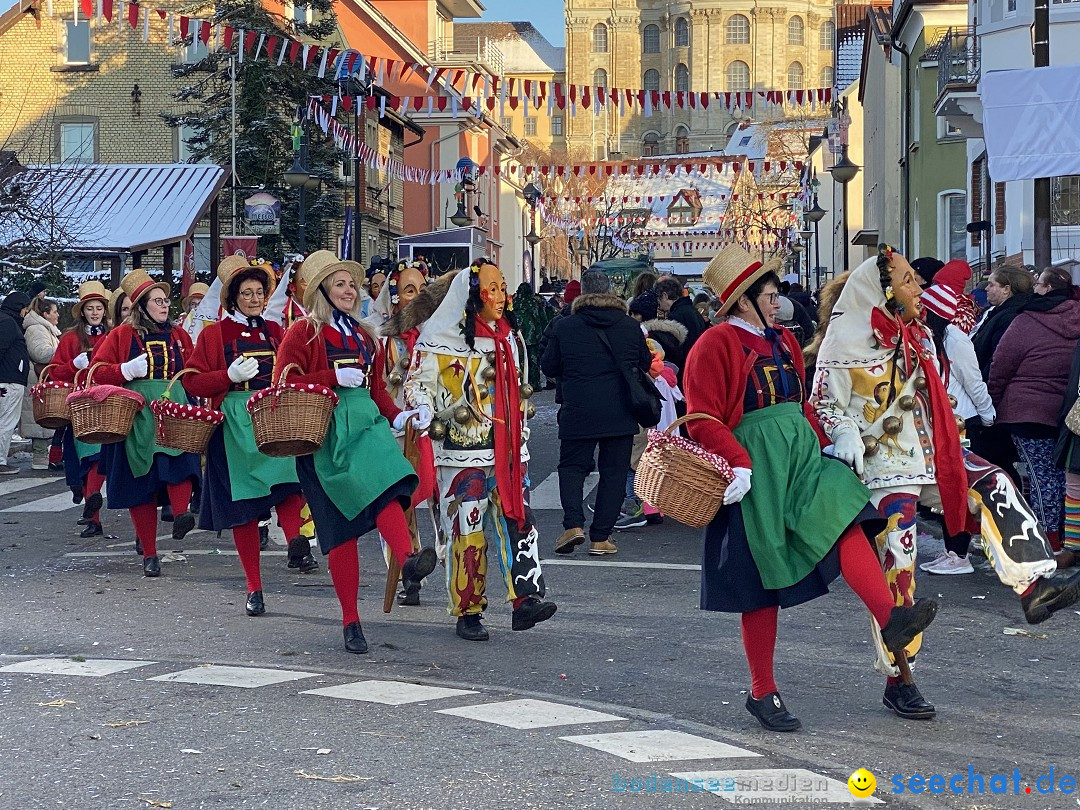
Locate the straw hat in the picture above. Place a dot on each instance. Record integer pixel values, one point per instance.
(89, 291)
(232, 265)
(138, 283)
(198, 288)
(114, 298)
(732, 271)
(319, 266)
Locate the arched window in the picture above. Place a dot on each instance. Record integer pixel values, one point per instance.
(599, 77)
(794, 31)
(682, 141)
(650, 39)
(738, 30)
(650, 145)
(738, 77)
(682, 78)
(599, 38)
(828, 76)
(651, 80)
(682, 32)
(828, 35)
(795, 76)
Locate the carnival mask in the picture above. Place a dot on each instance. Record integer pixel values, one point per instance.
(492, 292)
(410, 282)
(904, 285)
(376, 284)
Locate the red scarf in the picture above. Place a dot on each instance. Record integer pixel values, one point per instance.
(948, 455)
(509, 478)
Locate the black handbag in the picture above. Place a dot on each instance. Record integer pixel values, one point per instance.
(645, 399)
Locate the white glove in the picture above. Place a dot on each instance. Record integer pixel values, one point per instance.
(243, 369)
(423, 417)
(738, 488)
(848, 448)
(136, 368)
(350, 377)
(81, 361)
(402, 419)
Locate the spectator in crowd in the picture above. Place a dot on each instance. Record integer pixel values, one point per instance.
(799, 295)
(37, 290)
(14, 371)
(572, 291)
(1028, 375)
(588, 352)
(791, 315)
(532, 316)
(642, 283)
(673, 305)
(925, 270)
(42, 335)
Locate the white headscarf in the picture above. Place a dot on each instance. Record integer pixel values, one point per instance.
(442, 333)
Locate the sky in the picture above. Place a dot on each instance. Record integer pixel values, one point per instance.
(546, 15)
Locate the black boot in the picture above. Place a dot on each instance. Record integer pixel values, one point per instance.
(264, 536)
(354, 638)
(771, 712)
(254, 605)
(300, 555)
(410, 594)
(470, 629)
(182, 524)
(90, 508)
(418, 565)
(906, 701)
(138, 546)
(531, 612)
(76, 493)
(91, 530)
(151, 567)
(1048, 596)
(906, 622)
(166, 514)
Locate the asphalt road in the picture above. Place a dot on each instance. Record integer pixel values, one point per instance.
(118, 691)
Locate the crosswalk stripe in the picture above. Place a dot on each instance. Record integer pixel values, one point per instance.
(529, 713)
(93, 668)
(194, 552)
(390, 693)
(604, 562)
(243, 677)
(18, 485)
(546, 495)
(658, 745)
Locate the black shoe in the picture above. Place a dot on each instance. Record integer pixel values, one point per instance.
(166, 514)
(418, 565)
(906, 622)
(182, 525)
(1048, 596)
(92, 530)
(354, 638)
(91, 508)
(654, 519)
(771, 712)
(254, 605)
(300, 555)
(151, 567)
(264, 537)
(410, 595)
(906, 701)
(138, 546)
(76, 494)
(532, 612)
(56, 466)
(470, 629)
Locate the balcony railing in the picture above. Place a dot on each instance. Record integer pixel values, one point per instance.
(460, 51)
(958, 59)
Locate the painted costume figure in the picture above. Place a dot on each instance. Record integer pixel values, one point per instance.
(467, 369)
(881, 400)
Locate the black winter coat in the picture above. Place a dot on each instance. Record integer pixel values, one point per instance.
(993, 327)
(14, 358)
(595, 401)
(683, 311)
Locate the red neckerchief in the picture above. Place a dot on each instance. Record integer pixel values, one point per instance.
(509, 477)
(948, 456)
(410, 337)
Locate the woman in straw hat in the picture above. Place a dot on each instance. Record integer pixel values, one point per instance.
(143, 354)
(191, 322)
(119, 307)
(358, 479)
(781, 541)
(83, 466)
(234, 357)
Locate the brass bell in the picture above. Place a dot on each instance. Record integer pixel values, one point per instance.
(870, 445)
(395, 379)
(892, 425)
(462, 415)
(920, 383)
(484, 393)
(952, 401)
(906, 402)
(961, 425)
(490, 357)
(437, 430)
(403, 363)
(530, 411)
(488, 373)
(526, 391)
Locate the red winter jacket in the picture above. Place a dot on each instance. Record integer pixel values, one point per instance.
(116, 349)
(67, 350)
(212, 378)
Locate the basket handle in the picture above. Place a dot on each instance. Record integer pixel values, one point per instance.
(177, 376)
(690, 417)
(285, 373)
(44, 375)
(90, 372)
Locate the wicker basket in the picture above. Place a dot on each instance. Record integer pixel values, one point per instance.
(680, 478)
(49, 399)
(105, 419)
(291, 419)
(181, 426)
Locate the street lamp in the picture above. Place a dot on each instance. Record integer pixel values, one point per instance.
(300, 178)
(461, 217)
(815, 214)
(843, 172)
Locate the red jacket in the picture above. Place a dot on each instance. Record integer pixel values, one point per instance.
(67, 350)
(116, 349)
(212, 378)
(301, 346)
(714, 382)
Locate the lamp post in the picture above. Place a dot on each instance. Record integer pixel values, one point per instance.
(815, 215)
(844, 170)
(532, 194)
(300, 178)
(358, 85)
(806, 234)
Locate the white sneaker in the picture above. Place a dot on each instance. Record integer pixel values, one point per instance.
(940, 558)
(952, 564)
(17, 439)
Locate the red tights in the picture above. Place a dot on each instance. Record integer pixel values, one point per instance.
(344, 561)
(94, 479)
(246, 539)
(861, 570)
(288, 515)
(144, 517)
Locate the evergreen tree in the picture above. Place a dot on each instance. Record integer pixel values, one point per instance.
(270, 98)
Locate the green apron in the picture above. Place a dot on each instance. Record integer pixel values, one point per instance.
(360, 458)
(141, 444)
(251, 473)
(84, 450)
(800, 502)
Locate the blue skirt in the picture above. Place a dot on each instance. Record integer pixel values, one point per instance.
(218, 510)
(126, 491)
(76, 469)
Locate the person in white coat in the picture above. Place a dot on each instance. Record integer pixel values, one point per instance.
(42, 334)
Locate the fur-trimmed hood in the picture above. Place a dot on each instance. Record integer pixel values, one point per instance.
(598, 300)
(420, 308)
(673, 328)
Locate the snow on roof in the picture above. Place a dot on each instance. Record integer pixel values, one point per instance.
(656, 193)
(524, 48)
